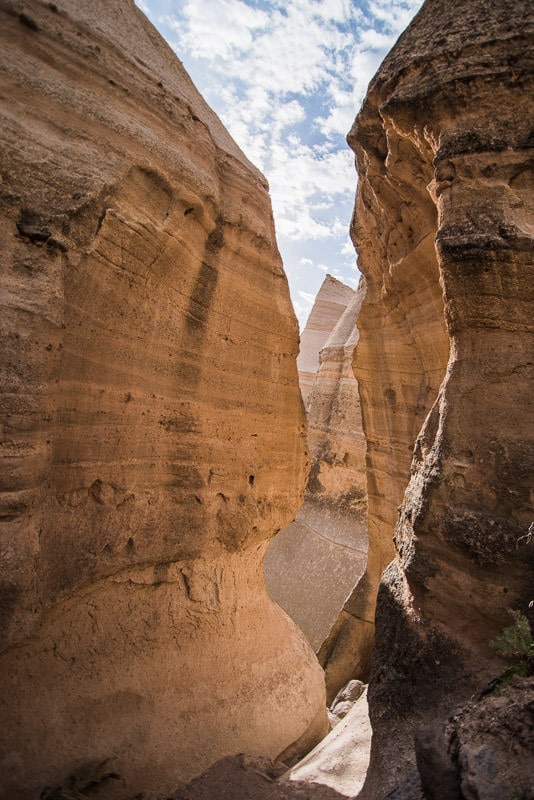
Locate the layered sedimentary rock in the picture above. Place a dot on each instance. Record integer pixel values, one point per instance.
(312, 565)
(332, 299)
(444, 226)
(153, 429)
(335, 435)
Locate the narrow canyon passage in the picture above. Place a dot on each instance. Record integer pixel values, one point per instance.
(312, 566)
(154, 438)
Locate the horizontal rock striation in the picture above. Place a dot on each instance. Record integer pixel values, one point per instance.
(153, 432)
(335, 435)
(444, 226)
(312, 565)
(338, 483)
(330, 303)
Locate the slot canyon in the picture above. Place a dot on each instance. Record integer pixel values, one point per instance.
(157, 449)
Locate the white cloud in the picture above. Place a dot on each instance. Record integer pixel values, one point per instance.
(347, 249)
(287, 78)
(217, 28)
(375, 40)
(306, 296)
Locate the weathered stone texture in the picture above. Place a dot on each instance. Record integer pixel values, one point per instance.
(338, 481)
(312, 566)
(153, 433)
(483, 750)
(335, 435)
(332, 299)
(444, 225)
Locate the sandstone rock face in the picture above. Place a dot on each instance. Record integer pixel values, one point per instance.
(338, 481)
(335, 435)
(312, 566)
(153, 432)
(332, 299)
(444, 225)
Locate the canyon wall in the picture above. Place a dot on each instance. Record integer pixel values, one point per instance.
(312, 565)
(335, 435)
(329, 305)
(444, 225)
(337, 485)
(153, 438)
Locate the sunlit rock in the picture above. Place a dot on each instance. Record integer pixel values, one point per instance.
(311, 566)
(332, 299)
(443, 225)
(153, 432)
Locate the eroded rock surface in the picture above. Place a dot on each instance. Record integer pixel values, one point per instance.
(311, 567)
(338, 482)
(484, 750)
(153, 429)
(335, 434)
(332, 299)
(246, 778)
(444, 225)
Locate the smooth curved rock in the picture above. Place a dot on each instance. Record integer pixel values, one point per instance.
(154, 439)
(340, 760)
(444, 227)
(310, 568)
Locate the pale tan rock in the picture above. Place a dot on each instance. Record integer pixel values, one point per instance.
(444, 225)
(330, 303)
(345, 699)
(335, 433)
(311, 567)
(338, 481)
(153, 433)
(340, 761)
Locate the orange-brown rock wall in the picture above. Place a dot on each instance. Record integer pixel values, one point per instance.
(443, 224)
(402, 352)
(153, 432)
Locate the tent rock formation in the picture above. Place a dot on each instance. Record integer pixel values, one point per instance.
(312, 565)
(330, 303)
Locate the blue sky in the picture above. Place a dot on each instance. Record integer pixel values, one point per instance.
(287, 79)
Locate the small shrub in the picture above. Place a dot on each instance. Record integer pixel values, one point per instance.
(516, 643)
